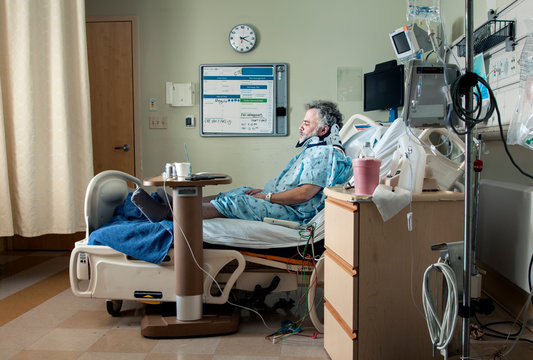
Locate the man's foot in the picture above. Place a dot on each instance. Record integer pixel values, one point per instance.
(150, 207)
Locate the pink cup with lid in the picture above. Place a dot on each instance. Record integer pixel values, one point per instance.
(365, 175)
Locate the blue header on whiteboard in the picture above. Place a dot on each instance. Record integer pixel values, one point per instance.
(257, 71)
(221, 96)
(243, 99)
(238, 78)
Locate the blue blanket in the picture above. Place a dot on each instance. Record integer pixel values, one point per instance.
(131, 233)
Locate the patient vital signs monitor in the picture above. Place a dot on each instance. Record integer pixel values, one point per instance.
(408, 41)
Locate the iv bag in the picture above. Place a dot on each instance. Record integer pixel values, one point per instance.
(521, 125)
(423, 10)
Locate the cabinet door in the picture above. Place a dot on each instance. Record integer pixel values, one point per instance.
(342, 230)
(340, 289)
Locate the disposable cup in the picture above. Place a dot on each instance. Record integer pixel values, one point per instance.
(183, 169)
(365, 175)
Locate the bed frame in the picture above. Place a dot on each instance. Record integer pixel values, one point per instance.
(104, 273)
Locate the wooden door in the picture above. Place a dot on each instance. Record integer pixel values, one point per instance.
(112, 76)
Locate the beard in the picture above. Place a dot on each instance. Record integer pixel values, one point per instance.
(306, 137)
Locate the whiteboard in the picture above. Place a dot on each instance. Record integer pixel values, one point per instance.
(243, 99)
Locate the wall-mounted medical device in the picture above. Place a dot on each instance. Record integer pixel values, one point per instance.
(407, 41)
(426, 93)
(179, 94)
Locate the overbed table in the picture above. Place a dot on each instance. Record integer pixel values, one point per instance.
(189, 318)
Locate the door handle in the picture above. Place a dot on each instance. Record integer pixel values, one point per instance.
(125, 147)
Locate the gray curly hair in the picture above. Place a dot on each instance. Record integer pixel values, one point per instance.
(328, 113)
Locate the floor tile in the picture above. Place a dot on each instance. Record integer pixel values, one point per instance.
(244, 357)
(47, 355)
(20, 338)
(90, 319)
(178, 357)
(112, 356)
(247, 345)
(123, 341)
(68, 339)
(198, 346)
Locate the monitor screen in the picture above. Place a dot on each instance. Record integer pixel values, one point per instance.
(384, 88)
(401, 43)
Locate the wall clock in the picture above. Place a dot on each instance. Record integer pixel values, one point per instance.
(242, 38)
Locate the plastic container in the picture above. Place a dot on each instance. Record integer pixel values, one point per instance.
(423, 10)
(526, 61)
(365, 175)
(367, 152)
(413, 166)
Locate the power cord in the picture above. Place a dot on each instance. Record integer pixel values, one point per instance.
(440, 332)
(473, 117)
(285, 331)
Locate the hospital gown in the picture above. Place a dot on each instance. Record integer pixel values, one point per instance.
(318, 165)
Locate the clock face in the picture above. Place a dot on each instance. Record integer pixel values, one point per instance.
(242, 38)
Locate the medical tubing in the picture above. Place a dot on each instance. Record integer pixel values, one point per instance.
(524, 320)
(311, 230)
(470, 122)
(206, 272)
(440, 333)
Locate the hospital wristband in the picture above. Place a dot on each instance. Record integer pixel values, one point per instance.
(268, 196)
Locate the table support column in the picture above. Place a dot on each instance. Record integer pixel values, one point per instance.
(188, 252)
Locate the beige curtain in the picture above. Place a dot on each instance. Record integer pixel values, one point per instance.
(45, 126)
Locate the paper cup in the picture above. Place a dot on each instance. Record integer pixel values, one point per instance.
(182, 170)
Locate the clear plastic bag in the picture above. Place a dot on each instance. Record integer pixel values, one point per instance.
(521, 125)
(423, 10)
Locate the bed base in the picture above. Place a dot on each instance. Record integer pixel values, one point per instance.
(104, 273)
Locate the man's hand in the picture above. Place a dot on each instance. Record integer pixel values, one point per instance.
(294, 196)
(253, 192)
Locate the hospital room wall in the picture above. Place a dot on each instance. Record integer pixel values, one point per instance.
(314, 37)
(497, 165)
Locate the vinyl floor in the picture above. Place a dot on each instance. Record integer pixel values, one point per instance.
(40, 318)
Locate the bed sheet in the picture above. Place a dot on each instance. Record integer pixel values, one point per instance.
(131, 233)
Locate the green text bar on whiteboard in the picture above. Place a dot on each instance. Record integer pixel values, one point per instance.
(243, 99)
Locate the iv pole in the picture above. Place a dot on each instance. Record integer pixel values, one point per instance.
(469, 208)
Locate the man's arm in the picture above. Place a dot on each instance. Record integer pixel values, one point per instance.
(297, 195)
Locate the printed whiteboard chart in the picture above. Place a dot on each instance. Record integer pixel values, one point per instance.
(243, 100)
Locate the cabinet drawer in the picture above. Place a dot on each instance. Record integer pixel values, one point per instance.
(342, 230)
(338, 342)
(340, 288)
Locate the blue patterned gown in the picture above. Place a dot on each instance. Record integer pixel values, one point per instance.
(318, 165)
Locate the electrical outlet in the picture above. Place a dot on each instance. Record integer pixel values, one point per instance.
(157, 122)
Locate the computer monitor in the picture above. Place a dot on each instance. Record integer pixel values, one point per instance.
(384, 87)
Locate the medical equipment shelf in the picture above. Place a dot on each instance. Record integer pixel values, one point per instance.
(489, 35)
(372, 267)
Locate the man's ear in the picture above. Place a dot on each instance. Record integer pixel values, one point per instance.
(323, 131)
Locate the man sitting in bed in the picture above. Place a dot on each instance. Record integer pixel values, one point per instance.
(296, 194)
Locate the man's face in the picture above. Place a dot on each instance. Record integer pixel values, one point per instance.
(309, 127)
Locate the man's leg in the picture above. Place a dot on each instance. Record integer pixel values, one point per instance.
(207, 199)
(210, 212)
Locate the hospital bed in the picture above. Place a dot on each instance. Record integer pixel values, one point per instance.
(103, 272)
(98, 271)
